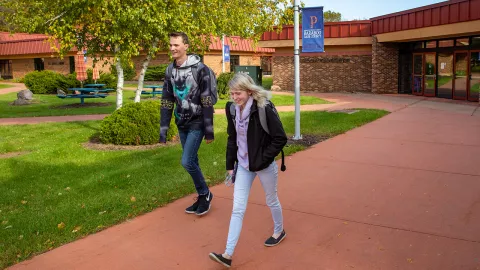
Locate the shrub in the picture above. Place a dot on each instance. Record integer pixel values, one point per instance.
(47, 81)
(108, 79)
(156, 73)
(222, 84)
(134, 124)
(18, 80)
(128, 71)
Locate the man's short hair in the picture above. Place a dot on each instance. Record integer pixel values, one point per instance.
(180, 34)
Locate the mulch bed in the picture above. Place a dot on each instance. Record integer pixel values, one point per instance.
(96, 144)
(307, 140)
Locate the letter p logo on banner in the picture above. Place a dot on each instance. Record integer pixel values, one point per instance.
(313, 21)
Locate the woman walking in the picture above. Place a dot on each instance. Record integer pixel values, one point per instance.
(251, 151)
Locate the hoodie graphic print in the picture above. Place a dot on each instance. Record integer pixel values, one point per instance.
(189, 100)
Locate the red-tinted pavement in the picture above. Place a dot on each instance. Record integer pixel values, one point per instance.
(402, 192)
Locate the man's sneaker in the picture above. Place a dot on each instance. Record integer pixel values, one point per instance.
(275, 241)
(204, 204)
(193, 208)
(220, 259)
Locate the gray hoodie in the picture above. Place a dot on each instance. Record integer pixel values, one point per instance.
(190, 98)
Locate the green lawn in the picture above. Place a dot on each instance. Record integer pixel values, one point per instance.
(5, 85)
(48, 105)
(267, 82)
(283, 100)
(58, 191)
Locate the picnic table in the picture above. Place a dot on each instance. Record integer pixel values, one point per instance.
(86, 92)
(95, 85)
(153, 92)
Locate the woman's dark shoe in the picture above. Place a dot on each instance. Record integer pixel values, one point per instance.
(220, 259)
(271, 242)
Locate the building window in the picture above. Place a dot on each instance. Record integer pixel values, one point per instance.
(71, 59)
(431, 44)
(6, 69)
(461, 42)
(419, 45)
(266, 64)
(234, 61)
(39, 65)
(445, 43)
(475, 42)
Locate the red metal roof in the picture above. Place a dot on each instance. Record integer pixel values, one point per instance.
(20, 44)
(6, 36)
(237, 44)
(331, 30)
(447, 12)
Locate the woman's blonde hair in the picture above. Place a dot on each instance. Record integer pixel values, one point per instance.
(243, 82)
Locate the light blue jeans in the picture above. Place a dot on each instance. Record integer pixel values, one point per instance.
(243, 183)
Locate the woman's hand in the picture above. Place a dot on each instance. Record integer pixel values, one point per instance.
(230, 172)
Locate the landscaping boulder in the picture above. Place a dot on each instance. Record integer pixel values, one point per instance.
(25, 94)
(23, 97)
(275, 88)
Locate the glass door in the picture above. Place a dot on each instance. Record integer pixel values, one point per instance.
(417, 83)
(430, 75)
(445, 75)
(461, 78)
(474, 77)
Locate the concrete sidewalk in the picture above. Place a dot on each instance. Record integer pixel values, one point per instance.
(402, 192)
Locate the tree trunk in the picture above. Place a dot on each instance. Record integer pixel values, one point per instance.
(141, 78)
(120, 80)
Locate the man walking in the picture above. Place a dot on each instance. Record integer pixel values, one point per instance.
(188, 86)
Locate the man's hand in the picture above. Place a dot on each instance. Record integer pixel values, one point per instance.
(230, 172)
(208, 141)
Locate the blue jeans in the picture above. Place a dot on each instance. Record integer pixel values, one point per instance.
(191, 140)
(243, 183)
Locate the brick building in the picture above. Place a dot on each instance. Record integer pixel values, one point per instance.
(22, 53)
(432, 51)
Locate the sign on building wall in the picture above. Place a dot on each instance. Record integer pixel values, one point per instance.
(226, 56)
(312, 29)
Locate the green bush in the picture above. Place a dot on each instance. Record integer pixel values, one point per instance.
(47, 81)
(108, 79)
(134, 124)
(222, 84)
(128, 71)
(18, 80)
(156, 73)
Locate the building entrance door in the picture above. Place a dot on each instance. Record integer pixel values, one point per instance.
(417, 82)
(461, 75)
(474, 76)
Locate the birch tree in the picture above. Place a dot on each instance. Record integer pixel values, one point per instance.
(127, 28)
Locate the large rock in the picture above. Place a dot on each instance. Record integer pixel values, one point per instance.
(21, 102)
(275, 88)
(23, 97)
(25, 94)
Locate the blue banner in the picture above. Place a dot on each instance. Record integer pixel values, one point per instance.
(312, 29)
(226, 53)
